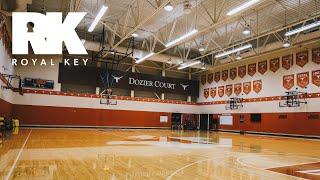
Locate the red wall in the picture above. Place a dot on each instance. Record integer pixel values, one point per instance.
(5, 108)
(296, 123)
(44, 115)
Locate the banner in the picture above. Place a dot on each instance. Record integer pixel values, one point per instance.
(242, 71)
(263, 67)
(233, 73)
(229, 89)
(213, 92)
(252, 69)
(274, 64)
(316, 55)
(302, 58)
(238, 89)
(221, 91)
(91, 76)
(247, 87)
(303, 79)
(210, 78)
(316, 77)
(287, 61)
(203, 79)
(217, 76)
(206, 93)
(257, 86)
(225, 74)
(288, 81)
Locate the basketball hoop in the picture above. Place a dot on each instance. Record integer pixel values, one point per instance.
(107, 98)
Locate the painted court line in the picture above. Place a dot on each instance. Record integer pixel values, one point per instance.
(18, 157)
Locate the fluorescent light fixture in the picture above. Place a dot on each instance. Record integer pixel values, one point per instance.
(233, 51)
(168, 7)
(246, 31)
(144, 58)
(286, 44)
(303, 28)
(182, 38)
(188, 64)
(134, 34)
(98, 18)
(242, 7)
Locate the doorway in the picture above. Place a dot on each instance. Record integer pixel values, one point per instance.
(176, 121)
(204, 122)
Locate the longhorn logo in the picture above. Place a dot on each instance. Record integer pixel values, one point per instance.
(184, 86)
(117, 78)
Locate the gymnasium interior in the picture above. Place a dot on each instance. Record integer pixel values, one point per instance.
(160, 89)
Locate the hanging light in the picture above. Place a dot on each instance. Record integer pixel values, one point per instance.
(246, 30)
(203, 66)
(169, 61)
(135, 35)
(201, 49)
(168, 7)
(238, 56)
(98, 18)
(286, 42)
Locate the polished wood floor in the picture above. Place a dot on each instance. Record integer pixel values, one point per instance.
(154, 154)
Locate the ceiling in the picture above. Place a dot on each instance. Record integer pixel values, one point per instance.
(268, 20)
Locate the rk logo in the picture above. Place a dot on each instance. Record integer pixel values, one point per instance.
(47, 34)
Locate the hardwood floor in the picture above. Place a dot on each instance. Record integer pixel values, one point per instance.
(154, 154)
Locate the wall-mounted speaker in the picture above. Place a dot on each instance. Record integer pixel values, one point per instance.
(8, 5)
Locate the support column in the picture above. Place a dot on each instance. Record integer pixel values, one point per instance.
(189, 97)
(133, 69)
(98, 88)
(163, 73)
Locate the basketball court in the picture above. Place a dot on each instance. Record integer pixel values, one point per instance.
(160, 89)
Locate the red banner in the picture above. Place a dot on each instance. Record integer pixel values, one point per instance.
(229, 89)
(288, 81)
(257, 86)
(225, 75)
(233, 73)
(203, 79)
(252, 69)
(274, 64)
(210, 78)
(287, 61)
(213, 92)
(247, 87)
(221, 91)
(242, 71)
(303, 79)
(302, 58)
(316, 78)
(238, 89)
(206, 93)
(316, 55)
(263, 67)
(217, 76)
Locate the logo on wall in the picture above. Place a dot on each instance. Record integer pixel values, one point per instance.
(225, 75)
(184, 86)
(302, 58)
(206, 93)
(257, 86)
(221, 91)
(252, 69)
(287, 61)
(247, 87)
(238, 89)
(303, 79)
(203, 79)
(213, 92)
(233, 73)
(48, 34)
(316, 55)
(210, 78)
(274, 64)
(316, 78)
(242, 71)
(288, 81)
(229, 89)
(217, 76)
(263, 67)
